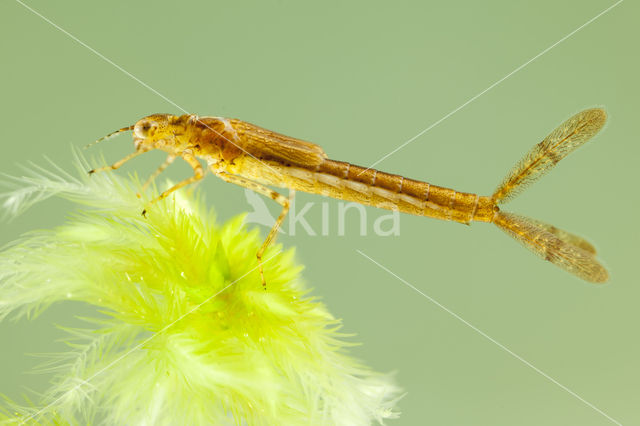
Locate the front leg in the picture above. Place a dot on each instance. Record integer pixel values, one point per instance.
(268, 192)
(198, 173)
(118, 163)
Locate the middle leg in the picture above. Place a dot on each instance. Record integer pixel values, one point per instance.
(155, 174)
(198, 173)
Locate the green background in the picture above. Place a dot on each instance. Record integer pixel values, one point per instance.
(360, 78)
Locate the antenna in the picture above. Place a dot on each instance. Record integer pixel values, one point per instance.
(110, 135)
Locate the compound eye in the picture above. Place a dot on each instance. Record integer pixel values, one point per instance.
(145, 129)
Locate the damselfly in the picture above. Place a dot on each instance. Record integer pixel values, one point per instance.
(250, 156)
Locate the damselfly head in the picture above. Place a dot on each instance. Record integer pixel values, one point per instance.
(153, 128)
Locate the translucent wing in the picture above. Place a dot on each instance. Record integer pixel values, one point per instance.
(564, 235)
(544, 156)
(553, 247)
(267, 145)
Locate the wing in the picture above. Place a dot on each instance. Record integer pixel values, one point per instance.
(565, 236)
(544, 156)
(267, 145)
(555, 247)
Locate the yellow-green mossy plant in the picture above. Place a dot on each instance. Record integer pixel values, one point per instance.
(184, 332)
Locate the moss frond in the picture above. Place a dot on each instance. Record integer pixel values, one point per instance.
(188, 335)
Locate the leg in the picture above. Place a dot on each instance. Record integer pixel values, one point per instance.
(155, 174)
(198, 174)
(277, 197)
(117, 163)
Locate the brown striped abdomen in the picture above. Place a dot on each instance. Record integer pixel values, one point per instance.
(389, 191)
(371, 187)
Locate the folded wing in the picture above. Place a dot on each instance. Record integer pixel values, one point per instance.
(267, 145)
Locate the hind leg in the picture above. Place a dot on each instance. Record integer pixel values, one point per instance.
(268, 192)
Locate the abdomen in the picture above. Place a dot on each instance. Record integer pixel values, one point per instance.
(345, 181)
